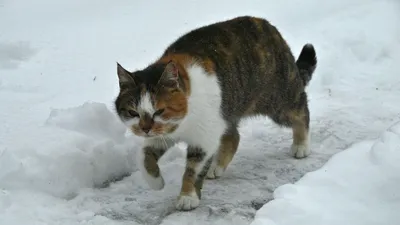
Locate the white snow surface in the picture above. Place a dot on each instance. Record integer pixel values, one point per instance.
(359, 186)
(66, 159)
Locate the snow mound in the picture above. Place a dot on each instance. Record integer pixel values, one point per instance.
(359, 186)
(80, 147)
(90, 119)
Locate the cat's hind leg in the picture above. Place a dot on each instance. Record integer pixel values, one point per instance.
(297, 116)
(228, 146)
(300, 120)
(300, 147)
(148, 157)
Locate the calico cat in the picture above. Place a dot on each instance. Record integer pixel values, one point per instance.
(200, 89)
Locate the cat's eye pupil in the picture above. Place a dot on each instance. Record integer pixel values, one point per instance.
(133, 113)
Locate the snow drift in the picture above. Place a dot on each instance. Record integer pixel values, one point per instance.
(358, 186)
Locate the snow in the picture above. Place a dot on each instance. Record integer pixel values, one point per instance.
(66, 159)
(83, 147)
(359, 185)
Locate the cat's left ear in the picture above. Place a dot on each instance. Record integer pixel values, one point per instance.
(170, 75)
(124, 76)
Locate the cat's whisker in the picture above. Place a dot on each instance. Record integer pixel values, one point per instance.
(165, 142)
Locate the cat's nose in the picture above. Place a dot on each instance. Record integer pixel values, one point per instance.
(146, 129)
(146, 123)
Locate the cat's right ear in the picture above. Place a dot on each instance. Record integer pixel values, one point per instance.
(124, 75)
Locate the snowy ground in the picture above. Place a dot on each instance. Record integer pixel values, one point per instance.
(65, 158)
(359, 186)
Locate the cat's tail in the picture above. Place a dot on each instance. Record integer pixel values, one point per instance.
(307, 62)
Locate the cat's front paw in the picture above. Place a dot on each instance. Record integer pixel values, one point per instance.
(300, 151)
(215, 171)
(187, 202)
(155, 183)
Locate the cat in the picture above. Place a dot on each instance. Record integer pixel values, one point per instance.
(202, 86)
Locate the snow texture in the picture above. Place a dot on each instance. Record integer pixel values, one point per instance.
(359, 186)
(66, 159)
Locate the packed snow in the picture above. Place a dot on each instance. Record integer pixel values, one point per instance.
(65, 158)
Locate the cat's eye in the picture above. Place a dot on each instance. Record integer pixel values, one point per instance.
(133, 113)
(158, 112)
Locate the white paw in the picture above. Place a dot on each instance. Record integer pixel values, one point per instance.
(215, 171)
(187, 202)
(155, 183)
(300, 151)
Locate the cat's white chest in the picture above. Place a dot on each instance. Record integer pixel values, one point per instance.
(204, 124)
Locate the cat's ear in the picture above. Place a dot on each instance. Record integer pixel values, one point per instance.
(170, 75)
(124, 76)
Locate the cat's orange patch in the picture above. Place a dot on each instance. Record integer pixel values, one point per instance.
(160, 128)
(174, 104)
(208, 66)
(185, 60)
(181, 61)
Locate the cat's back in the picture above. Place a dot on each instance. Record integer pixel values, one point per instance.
(249, 58)
(226, 39)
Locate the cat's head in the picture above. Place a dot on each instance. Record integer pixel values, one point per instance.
(153, 101)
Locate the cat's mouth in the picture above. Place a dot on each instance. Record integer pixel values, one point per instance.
(146, 135)
(150, 134)
(155, 131)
